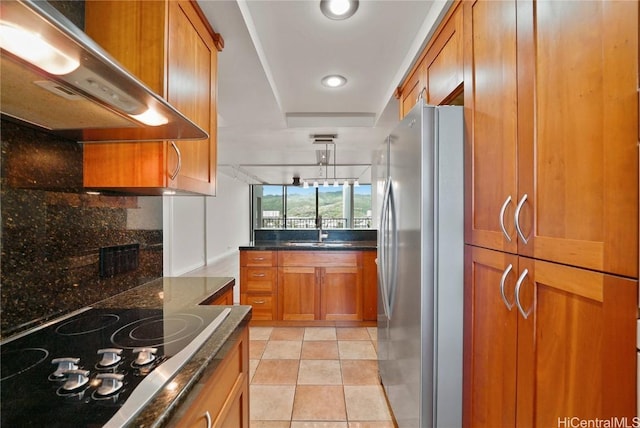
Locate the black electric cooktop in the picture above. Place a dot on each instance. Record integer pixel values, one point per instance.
(79, 371)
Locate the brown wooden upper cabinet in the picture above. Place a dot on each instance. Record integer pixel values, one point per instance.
(551, 119)
(173, 50)
(490, 114)
(438, 74)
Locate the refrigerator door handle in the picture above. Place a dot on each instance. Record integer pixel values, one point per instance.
(393, 247)
(383, 246)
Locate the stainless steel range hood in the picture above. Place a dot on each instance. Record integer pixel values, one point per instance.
(66, 84)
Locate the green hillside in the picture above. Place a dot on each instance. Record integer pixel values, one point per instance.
(330, 203)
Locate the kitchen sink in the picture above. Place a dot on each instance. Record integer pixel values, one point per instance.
(318, 244)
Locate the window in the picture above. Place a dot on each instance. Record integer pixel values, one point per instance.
(268, 202)
(301, 207)
(362, 207)
(333, 206)
(294, 207)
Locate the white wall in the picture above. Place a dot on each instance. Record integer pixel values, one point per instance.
(183, 234)
(228, 218)
(200, 231)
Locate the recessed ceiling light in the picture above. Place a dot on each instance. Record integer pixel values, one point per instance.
(334, 81)
(338, 9)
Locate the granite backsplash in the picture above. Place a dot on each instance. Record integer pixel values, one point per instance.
(52, 231)
(262, 235)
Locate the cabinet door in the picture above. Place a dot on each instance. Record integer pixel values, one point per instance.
(578, 133)
(133, 33)
(411, 90)
(576, 346)
(341, 294)
(222, 397)
(490, 110)
(167, 46)
(298, 293)
(225, 299)
(490, 342)
(370, 285)
(444, 63)
(191, 88)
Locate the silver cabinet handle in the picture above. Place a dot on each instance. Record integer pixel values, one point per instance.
(207, 416)
(517, 218)
(258, 275)
(421, 94)
(179, 164)
(258, 259)
(258, 302)
(502, 280)
(523, 275)
(502, 210)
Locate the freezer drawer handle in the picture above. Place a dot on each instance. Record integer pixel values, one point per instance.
(502, 280)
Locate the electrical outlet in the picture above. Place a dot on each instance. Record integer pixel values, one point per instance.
(118, 259)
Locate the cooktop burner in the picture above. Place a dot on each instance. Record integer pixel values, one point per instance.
(80, 371)
(86, 324)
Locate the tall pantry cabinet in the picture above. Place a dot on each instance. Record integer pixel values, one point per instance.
(169, 46)
(551, 227)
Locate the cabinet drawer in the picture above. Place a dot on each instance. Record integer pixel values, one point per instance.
(319, 258)
(258, 279)
(263, 306)
(258, 258)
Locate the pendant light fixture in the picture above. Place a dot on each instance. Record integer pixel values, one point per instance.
(326, 166)
(335, 155)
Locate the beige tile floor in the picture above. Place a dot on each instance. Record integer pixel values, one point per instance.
(315, 377)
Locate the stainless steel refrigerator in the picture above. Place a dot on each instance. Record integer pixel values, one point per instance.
(420, 267)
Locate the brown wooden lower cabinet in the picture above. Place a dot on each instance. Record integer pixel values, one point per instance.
(320, 285)
(258, 279)
(224, 299)
(223, 399)
(304, 286)
(298, 293)
(545, 342)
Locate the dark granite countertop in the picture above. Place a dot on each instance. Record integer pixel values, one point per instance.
(182, 293)
(310, 245)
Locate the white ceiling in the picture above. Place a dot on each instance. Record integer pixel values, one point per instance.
(270, 99)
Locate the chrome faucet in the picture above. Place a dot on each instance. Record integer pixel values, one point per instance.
(321, 235)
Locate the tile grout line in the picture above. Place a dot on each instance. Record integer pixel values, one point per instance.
(269, 338)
